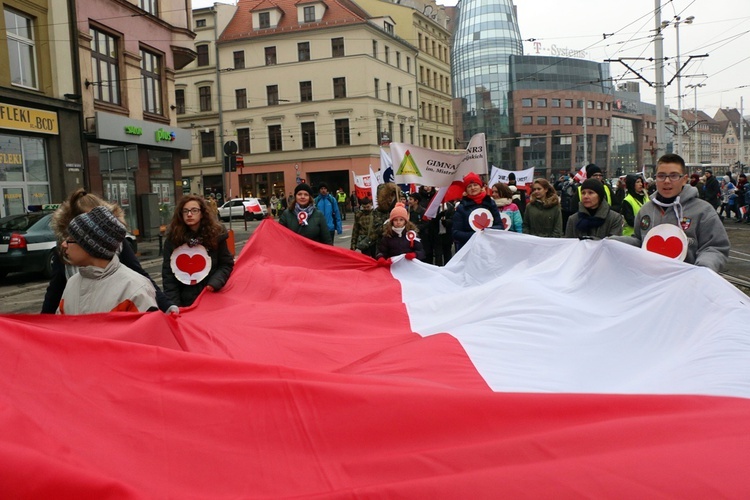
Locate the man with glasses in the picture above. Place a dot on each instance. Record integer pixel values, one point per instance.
(676, 202)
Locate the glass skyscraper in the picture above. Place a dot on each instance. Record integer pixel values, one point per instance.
(486, 35)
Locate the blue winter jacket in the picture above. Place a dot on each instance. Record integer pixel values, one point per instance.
(330, 209)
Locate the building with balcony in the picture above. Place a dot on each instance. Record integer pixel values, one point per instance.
(306, 90)
(128, 52)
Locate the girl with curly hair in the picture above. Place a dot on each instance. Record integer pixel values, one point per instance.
(196, 255)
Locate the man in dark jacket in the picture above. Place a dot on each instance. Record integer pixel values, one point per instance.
(712, 190)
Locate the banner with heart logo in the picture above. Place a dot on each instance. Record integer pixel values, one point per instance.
(190, 265)
(667, 240)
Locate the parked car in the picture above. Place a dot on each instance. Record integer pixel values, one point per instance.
(28, 243)
(249, 208)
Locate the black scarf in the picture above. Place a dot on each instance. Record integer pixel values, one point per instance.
(587, 221)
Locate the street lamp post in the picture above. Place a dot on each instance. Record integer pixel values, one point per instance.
(695, 87)
(676, 22)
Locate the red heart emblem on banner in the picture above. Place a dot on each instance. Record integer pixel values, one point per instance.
(481, 221)
(671, 248)
(190, 264)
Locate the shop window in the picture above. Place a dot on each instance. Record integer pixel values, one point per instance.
(105, 67)
(151, 82)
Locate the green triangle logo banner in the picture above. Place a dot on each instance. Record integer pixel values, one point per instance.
(408, 166)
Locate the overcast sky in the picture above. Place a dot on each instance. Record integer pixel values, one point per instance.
(721, 29)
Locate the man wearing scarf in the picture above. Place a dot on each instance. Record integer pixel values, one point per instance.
(676, 202)
(594, 219)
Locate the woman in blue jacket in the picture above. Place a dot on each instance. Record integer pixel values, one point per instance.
(475, 213)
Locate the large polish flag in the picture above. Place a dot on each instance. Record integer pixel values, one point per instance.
(526, 367)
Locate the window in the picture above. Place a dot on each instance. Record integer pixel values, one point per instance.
(375, 49)
(579, 120)
(525, 120)
(388, 91)
(337, 47)
(408, 64)
(411, 134)
(149, 6)
(239, 59)
(377, 88)
(567, 120)
(309, 13)
(387, 54)
(339, 87)
(554, 120)
(272, 94)
(264, 19)
(240, 97)
(526, 103)
(342, 132)
(200, 23)
(270, 56)
(21, 49)
(541, 120)
(410, 99)
(308, 135)
(398, 59)
(388, 27)
(568, 103)
(419, 38)
(541, 103)
(151, 82)
(598, 104)
(274, 138)
(105, 69)
(590, 104)
(303, 51)
(208, 144)
(399, 100)
(179, 101)
(555, 103)
(202, 55)
(204, 96)
(305, 91)
(401, 131)
(243, 141)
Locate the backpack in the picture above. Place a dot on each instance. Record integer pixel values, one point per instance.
(567, 195)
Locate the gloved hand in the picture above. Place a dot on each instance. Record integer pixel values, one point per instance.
(410, 256)
(382, 262)
(173, 310)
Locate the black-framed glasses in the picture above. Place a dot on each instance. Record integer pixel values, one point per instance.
(674, 177)
(70, 241)
(193, 211)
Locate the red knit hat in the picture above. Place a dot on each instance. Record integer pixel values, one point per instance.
(472, 178)
(399, 211)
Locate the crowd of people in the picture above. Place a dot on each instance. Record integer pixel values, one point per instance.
(95, 272)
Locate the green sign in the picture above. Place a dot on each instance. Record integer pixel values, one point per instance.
(132, 130)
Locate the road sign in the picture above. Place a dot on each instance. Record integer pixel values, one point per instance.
(239, 161)
(230, 148)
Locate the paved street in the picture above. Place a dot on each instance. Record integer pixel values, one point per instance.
(24, 292)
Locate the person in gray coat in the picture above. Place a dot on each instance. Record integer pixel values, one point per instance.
(676, 202)
(594, 219)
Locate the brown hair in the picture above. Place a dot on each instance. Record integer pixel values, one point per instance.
(503, 190)
(80, 202)
(550, 195)
(208, 231)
